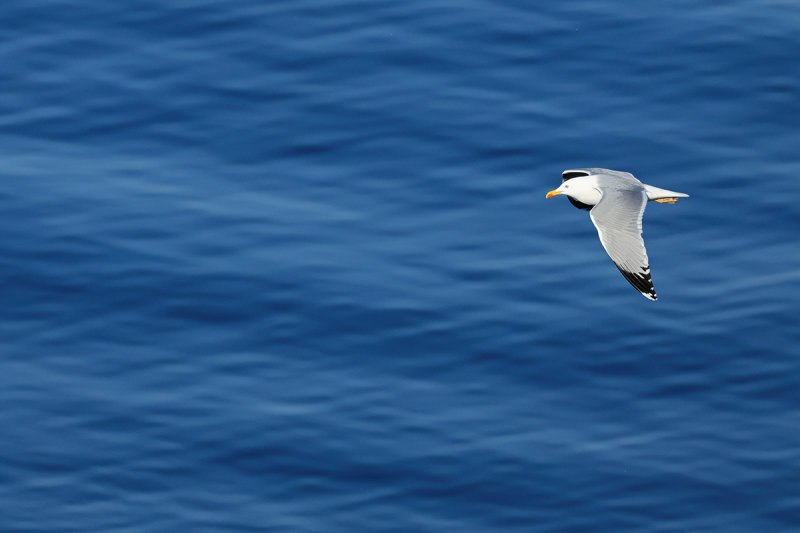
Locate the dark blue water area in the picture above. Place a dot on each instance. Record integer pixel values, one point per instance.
(288, 266)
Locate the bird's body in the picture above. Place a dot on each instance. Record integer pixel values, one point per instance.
(616, 202)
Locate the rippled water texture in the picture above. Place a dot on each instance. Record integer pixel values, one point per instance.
(288, 266)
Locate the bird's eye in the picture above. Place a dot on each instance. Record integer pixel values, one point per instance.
(566, 186)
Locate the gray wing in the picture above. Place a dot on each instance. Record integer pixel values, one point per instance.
(618, 219)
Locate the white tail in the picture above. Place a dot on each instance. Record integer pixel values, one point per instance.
(654, 193)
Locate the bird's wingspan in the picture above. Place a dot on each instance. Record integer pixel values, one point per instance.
(618, 219)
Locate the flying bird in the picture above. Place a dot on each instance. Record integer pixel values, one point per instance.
(616, 201)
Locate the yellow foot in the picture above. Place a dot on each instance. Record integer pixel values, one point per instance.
(666, 200)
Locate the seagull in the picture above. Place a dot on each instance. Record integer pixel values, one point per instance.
(616, 201)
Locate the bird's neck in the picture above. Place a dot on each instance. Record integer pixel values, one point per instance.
(584, 190)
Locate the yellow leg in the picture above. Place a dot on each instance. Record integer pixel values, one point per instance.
(666, 200)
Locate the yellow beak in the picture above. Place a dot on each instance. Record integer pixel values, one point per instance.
(552, 193)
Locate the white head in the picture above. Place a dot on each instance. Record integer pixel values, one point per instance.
(584, 189)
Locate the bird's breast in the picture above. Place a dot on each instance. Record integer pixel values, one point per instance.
(589, 196)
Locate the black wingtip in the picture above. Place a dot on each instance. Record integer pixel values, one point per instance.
(569, 174)
(641, 281)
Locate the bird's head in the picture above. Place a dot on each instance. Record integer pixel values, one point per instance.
(582, 189)
(561, 190)
(572, 188)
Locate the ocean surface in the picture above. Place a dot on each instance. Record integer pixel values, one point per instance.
(288, 266)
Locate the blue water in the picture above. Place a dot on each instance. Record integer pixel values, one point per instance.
(288, 266)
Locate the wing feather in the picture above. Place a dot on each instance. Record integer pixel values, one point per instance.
(618, 219)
